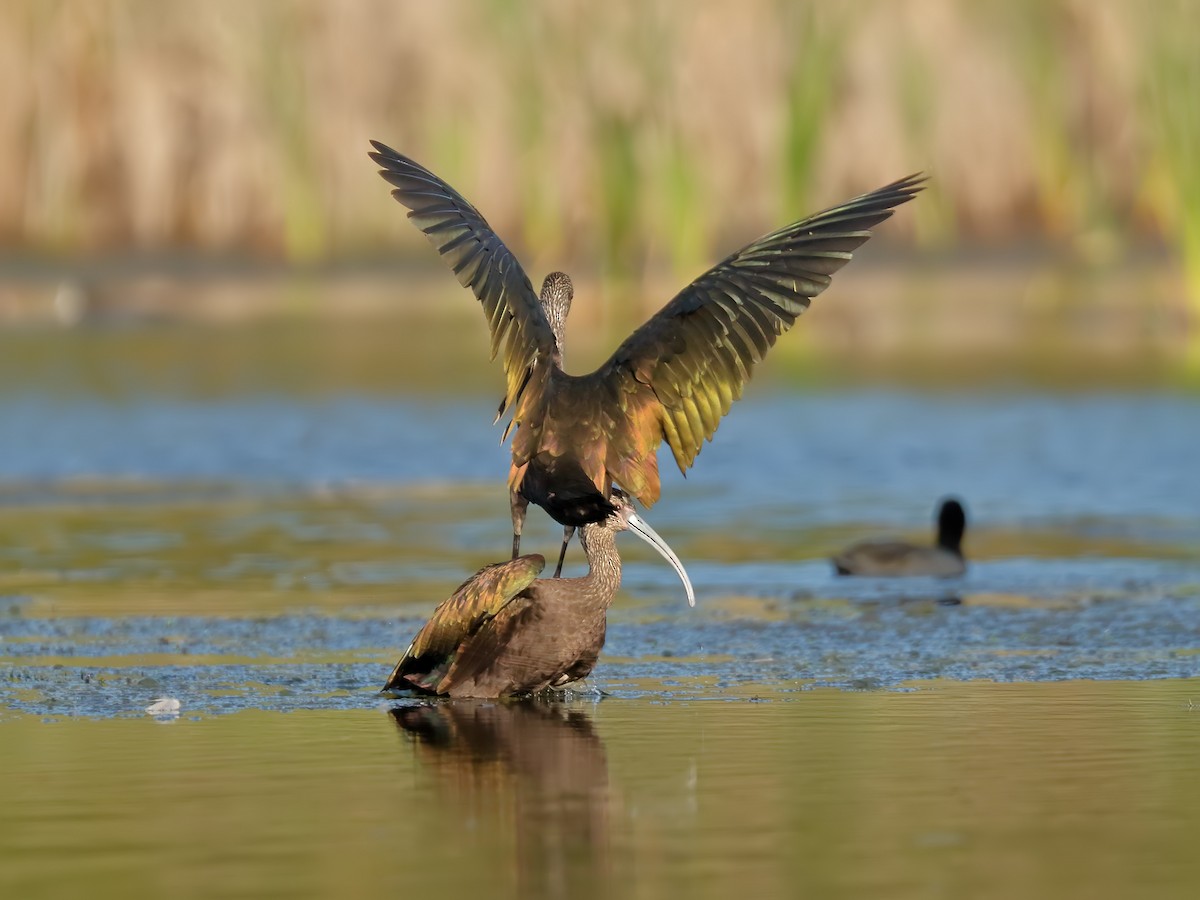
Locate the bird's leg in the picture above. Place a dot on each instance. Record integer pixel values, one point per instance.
(518, 505)
(568, 530)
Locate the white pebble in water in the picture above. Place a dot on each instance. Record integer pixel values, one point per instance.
(164, 706)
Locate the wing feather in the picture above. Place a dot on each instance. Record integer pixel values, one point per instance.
(480, 261)
(478, 599)
(488, 644)
(695, 355)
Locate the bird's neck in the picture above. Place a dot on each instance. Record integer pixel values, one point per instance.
(558, 326)
(604, 565)
(950, 541)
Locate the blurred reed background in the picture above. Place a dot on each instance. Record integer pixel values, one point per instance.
(631, 142)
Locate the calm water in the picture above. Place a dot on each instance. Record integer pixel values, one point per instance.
(1072, 789)
(262, 552)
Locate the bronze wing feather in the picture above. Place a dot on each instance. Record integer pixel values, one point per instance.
(478, 599)
(488, 643)
(480, 261)
(689, 363)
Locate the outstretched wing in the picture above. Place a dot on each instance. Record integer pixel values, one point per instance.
(687, 365)
(477, 599)
(480, 260)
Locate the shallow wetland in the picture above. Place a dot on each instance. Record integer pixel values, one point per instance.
(263, 555)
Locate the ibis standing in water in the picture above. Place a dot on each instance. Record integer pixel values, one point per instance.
(505, 631)
(673, 379)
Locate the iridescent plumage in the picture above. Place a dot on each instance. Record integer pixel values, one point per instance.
(672, 380)
(505, 632)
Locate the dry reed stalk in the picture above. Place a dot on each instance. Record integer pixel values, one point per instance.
(623, 135)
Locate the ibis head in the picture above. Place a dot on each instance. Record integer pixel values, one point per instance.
(557, 294)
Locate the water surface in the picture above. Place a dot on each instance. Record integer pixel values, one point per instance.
(1068, 789)
(262, 547)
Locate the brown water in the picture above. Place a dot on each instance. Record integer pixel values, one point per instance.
(1072, 789)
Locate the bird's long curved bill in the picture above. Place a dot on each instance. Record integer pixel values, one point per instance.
(639, 527)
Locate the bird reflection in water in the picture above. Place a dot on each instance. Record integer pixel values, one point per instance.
(541, 761)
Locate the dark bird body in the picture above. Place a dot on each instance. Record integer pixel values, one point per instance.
(506, 632)
(891, 559)
(672, 380)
